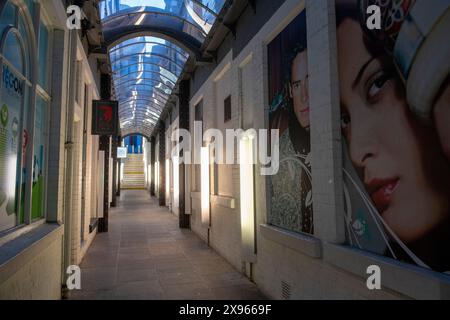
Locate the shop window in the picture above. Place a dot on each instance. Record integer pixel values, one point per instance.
(227, 109)
(43, 56)
(15, 106)
(199, 111)
(39, 161)
(12, 94)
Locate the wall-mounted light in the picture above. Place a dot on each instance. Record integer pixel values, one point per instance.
(140, 19)
(145, 171)
(247, 197)
(122, 168)
(205, 192)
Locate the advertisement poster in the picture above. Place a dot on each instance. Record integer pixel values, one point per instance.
(396, 171)
(10, 105)
(290, 188)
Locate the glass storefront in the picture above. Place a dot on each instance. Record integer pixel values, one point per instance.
(17, 101)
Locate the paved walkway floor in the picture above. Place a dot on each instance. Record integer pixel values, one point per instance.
(146, 256)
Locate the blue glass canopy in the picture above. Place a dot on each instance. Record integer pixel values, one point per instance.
(195, 17)
(147, 68)
(145, 71)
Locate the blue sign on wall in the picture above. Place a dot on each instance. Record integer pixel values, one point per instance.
(11, 82)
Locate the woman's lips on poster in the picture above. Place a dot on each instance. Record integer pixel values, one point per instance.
(306, 110)
(381, 192)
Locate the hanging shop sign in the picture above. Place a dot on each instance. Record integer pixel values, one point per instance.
(105, 117)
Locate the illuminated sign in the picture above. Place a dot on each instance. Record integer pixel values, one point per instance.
(121, 152)
(105, 117)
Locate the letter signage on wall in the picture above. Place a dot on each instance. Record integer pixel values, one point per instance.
(11, 82)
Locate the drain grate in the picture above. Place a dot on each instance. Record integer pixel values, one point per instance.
(285, 290)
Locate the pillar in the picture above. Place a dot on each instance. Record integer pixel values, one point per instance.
(326, 142)
(114, 145)
(55, 174)
(105, 91)
(119, 161)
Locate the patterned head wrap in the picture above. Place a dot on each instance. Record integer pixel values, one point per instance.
(393, 14)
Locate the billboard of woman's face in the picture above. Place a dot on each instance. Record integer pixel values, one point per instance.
(397, 177)
(290, 189)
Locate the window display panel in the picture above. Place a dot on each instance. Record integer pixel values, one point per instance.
(290, 189)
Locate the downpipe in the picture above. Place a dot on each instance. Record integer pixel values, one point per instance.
(68, 146)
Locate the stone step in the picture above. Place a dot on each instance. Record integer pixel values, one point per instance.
(140, 169)
(132, 177)
(133, 183)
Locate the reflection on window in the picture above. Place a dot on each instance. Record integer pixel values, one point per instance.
(43, 50)
(13, 52)
(24, 34)
(197, 14)
(37, 202)
(7, 17)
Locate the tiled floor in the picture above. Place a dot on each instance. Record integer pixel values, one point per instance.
(146, 256)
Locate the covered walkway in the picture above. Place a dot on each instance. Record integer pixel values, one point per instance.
(146, 256)
(224, 149)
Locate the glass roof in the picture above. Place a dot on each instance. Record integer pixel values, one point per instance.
(147, 68)
(145, 71)
(194, 16)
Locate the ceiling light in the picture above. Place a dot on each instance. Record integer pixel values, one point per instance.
(139, 21)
